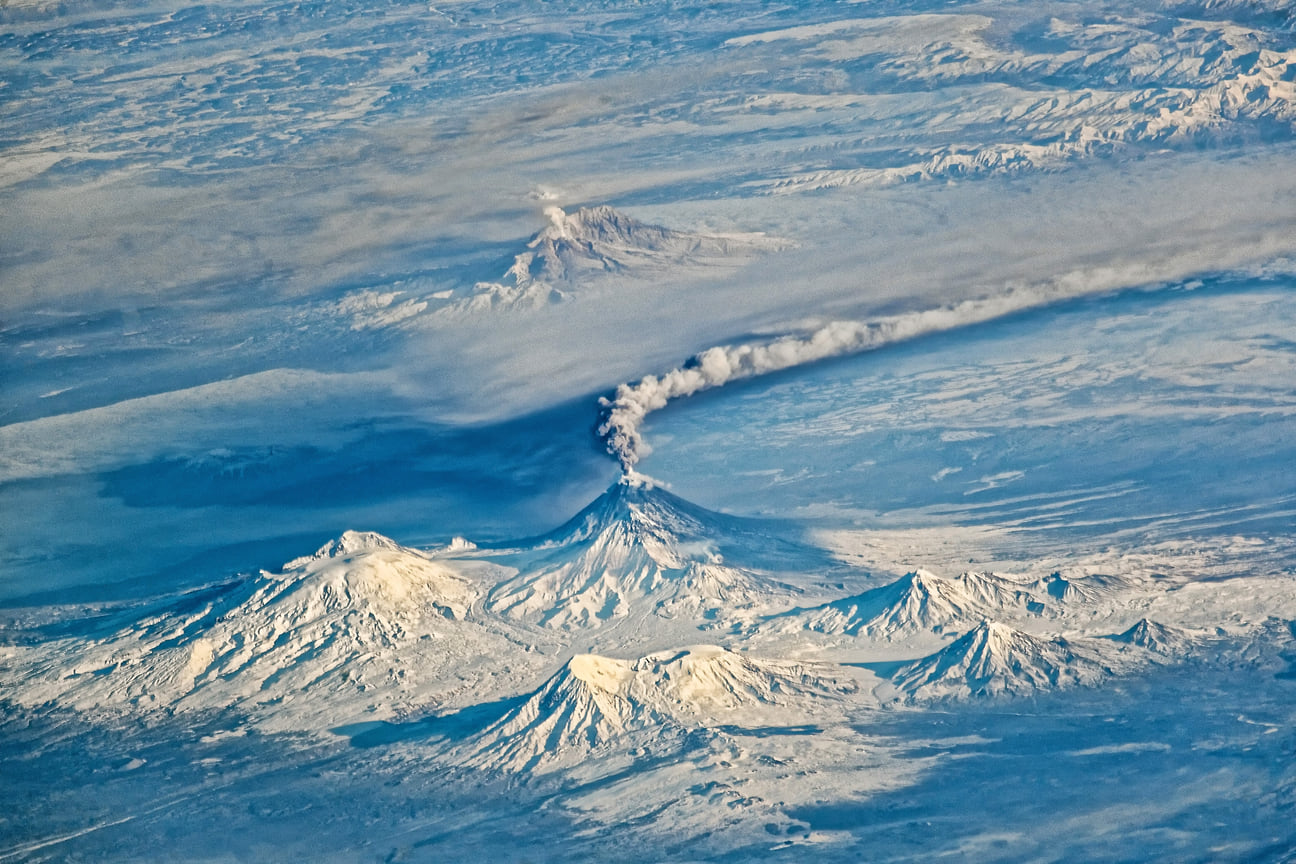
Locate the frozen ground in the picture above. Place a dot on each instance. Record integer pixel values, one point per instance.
(949, 348)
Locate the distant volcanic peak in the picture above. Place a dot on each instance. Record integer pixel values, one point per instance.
(1083, 588)
(600, 223)
(995, 659)
(602, 239)
(1143, 630)
(591, 239)
(348, 544)
(918, 601)
(1158, 638)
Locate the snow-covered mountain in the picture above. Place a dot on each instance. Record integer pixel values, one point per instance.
(1162, 639)
(595, 242)
(636, 549)
(915, 603)
(601, 239)
(361, 614)
(593, 701)
(1084, 590)
(996, 660)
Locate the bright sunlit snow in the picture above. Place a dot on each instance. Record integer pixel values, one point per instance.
(651, 432)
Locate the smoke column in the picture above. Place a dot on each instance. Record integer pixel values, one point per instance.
(625, 412)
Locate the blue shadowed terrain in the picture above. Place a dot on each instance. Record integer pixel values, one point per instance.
(1075, 421)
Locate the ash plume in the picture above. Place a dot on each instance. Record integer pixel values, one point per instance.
(625, 412)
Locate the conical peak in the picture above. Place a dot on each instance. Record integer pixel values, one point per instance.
(636, 503)
(922, 581)
(355, 542)
(1156, 637)
(1147, 627)
(1141, 628)
(994, 637)
(995, 630)
(997, 660)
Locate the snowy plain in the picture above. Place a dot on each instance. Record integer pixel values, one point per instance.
(670, 431)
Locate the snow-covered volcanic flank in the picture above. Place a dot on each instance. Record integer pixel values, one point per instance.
(635, 550)
(918, 602)
(996, 660)
(593, 701)
(361, 613)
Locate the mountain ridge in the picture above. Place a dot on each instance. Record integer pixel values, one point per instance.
(917, 602)
(996, 661)
(593, 702)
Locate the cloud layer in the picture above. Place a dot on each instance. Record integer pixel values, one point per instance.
(625, 413)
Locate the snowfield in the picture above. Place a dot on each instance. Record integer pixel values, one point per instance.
(726, 431)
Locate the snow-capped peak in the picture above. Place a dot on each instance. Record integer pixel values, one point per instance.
(594, 700)
(917, 602)
(1158, 638)
(346, 545)
(600, 239)
(636, 547)
(995, 660)
(582, 247)
(324, 623)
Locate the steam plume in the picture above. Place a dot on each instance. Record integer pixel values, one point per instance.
(625, 412)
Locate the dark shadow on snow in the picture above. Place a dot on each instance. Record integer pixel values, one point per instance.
(456, 725)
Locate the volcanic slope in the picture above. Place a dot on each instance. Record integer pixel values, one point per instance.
(638, 550)
(597, 704)
(997, 661)
(363, 621)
